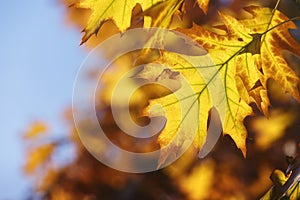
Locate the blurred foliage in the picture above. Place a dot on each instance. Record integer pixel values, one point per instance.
(35, 129)
(223, 174)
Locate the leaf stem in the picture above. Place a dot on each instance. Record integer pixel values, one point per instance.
(271, 18)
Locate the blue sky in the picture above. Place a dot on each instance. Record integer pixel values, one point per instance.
(40, 56)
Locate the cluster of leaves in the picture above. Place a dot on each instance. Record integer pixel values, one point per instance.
(247, 53)
(250, 52)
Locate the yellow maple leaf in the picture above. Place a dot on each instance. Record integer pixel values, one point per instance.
(245, 57)
(117, 10)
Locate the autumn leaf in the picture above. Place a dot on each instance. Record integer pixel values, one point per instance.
(252, 36)
(117, 10)
(246, 46)
(246, 57)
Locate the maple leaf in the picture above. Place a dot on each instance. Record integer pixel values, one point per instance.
(117, 10)
(245, 57)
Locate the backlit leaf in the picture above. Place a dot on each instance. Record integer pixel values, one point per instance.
(117, 10)
(246, 57)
